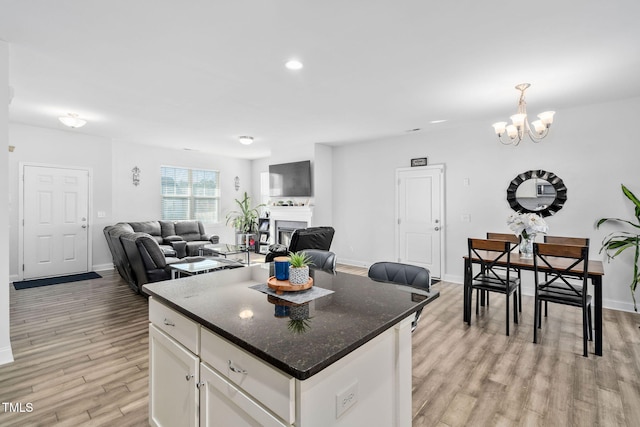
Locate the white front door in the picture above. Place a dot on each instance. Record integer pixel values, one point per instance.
(419, 217)
(55, 212)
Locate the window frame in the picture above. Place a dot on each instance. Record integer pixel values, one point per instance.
(190, 196)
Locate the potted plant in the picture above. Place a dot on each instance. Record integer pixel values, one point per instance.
(245, 219)
(615, 243)
(299, 268)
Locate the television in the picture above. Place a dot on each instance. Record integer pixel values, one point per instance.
(290, 179)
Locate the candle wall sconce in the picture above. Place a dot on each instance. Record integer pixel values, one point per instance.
(236, 182)
(135, 175)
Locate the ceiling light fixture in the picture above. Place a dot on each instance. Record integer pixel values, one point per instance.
(294, 64)
(245, 140)
(72, 120)
(520, 127)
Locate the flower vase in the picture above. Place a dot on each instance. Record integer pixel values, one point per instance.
(526, 246)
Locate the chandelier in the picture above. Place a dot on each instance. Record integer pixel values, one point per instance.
(520, 124)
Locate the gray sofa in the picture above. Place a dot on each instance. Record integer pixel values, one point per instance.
(143, 251)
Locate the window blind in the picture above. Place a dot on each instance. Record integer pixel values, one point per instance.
(190, 194)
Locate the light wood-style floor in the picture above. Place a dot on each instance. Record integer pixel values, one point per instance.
(81, 358)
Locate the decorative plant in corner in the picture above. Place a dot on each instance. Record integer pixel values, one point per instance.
(616, 242)
(244, 220)
(299, 268)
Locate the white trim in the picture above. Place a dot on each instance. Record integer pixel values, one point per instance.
(6, 356)
(89, 171)
(441, 168)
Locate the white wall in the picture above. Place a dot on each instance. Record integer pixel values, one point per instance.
(592, 160)
(6, 355)
(323, 185)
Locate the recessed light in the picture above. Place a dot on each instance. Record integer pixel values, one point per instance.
(434, 122)
(294, 64)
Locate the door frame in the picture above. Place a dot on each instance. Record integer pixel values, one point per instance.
(21, 167)
(436, 167)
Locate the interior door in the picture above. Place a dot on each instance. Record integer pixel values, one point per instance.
(55, 212)
(419, 234)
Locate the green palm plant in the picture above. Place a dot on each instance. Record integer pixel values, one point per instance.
(615, 243)
(244, 220)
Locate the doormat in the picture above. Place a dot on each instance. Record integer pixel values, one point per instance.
(34, 283)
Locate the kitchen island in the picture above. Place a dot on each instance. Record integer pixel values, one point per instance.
(222, 353)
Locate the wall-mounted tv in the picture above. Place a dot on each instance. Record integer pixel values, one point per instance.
(290, 179)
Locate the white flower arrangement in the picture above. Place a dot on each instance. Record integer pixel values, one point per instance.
(527, 224)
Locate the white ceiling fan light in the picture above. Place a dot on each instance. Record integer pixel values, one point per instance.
(245, 140)
(72, 120)
(294, 65)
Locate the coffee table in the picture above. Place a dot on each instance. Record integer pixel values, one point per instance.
(224, 249)
(204, 266)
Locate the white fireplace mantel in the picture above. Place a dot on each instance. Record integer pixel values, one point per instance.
(291, 213)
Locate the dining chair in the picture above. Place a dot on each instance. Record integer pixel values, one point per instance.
(491, 277)
(557, 286)
(402, 274)
(515, 244)
(561, 240)
(323, 260)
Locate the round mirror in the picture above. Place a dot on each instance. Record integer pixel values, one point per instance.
(537, 191)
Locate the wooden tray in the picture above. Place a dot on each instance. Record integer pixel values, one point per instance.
(282, 286)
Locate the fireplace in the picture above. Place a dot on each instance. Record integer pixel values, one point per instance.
(285, 219)
(284, 229)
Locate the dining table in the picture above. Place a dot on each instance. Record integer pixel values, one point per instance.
(595, 271)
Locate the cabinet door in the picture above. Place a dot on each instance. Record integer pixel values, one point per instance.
(223, 405)
(173, 375)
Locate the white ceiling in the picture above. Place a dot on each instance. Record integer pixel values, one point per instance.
(197, 74)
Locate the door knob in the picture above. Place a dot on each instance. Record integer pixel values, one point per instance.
(437, 228)
(84, 226)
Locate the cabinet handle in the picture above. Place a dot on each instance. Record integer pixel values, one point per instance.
(189, 376)
(168, 322)
(236, 370)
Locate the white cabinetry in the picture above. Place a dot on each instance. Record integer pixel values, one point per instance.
(173, 373)
(184, 390)
(223, 404)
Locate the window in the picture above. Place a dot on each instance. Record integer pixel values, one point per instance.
(190, 194)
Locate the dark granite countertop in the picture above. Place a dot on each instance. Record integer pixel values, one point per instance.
(302, 340)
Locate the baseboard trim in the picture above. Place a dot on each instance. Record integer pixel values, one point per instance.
(6, 355)
(103, 267)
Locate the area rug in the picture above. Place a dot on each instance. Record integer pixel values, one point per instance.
(34, 283)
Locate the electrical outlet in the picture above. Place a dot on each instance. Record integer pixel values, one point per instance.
(465, 218)
(346, 399)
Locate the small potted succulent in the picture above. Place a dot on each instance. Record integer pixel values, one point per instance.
(299, 268)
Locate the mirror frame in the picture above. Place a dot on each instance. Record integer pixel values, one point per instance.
(551, 178)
